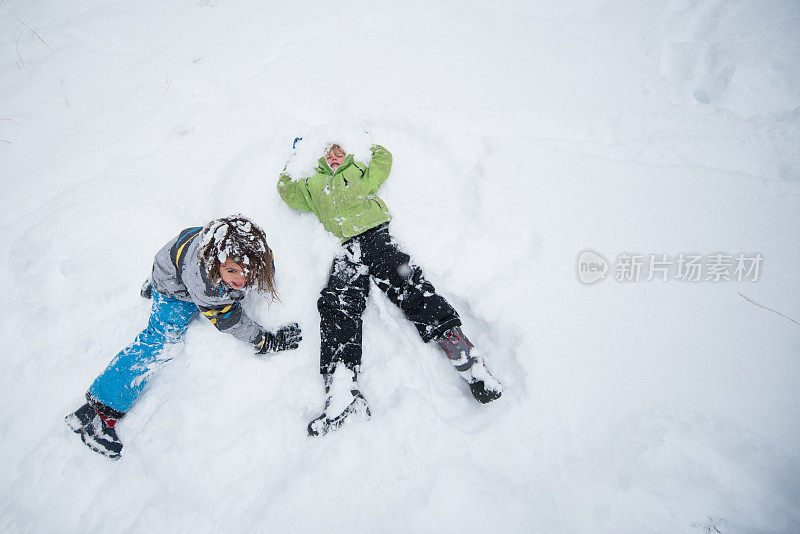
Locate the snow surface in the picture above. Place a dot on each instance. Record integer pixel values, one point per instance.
(523, 132)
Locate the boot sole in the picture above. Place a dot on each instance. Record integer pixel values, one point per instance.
(75, 425)
(359, 405)
(483, 394)
(92, 444)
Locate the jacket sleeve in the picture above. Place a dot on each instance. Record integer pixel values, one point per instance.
(224, 311)
(231, 319)
(293, 192)
(379, 167)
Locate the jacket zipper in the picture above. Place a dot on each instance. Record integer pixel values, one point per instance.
(335, 208)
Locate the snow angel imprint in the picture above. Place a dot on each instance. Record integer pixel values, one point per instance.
(342, 194)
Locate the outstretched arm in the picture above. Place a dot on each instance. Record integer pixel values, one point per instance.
(379, 167)
(232, 319)
(293, 192)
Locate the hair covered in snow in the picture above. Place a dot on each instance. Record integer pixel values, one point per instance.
(241, 240)
(335, 149)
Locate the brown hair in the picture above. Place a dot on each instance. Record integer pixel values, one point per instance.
(241, 240)
(334, 147)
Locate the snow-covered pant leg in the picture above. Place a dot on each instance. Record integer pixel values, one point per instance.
(405, 285)
(122, 382)
(341, 304)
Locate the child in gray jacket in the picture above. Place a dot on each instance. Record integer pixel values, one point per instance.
(209, 269)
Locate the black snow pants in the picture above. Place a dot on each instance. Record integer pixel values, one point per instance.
(342, 302)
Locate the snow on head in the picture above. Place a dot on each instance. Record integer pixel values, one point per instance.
(235, 238)
(219, 237)
(316, 142)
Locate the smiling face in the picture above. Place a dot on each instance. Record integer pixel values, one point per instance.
(233, 274)
(335, 157)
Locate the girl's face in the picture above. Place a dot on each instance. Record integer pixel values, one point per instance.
(335, 158)
(233, 274)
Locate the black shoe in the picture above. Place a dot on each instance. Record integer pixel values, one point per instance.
(324, 424)
(482, 394)
(342, 399)
(103, 440)
(469, 363)
(80, 418)
(94, 432)
(147, 289)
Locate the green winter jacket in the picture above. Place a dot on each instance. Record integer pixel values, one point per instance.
(344, 201)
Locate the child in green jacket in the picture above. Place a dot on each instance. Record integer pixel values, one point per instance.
(342, 195)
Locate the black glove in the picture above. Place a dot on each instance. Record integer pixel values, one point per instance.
(147, 289)
(287, 337)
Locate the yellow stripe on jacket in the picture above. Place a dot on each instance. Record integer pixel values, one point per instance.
(211, 313)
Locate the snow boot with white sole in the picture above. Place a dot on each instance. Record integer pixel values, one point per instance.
(96, 431)
(342, 400)
(469, 363)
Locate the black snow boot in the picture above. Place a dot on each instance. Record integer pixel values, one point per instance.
(342, 399)
(469, 363)
(96, 431)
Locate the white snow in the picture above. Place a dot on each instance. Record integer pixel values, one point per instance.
(317, 139)
(523, 133)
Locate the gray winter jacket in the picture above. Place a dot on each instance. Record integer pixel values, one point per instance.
(177, 273)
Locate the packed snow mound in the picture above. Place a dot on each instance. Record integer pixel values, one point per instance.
(315, 141)
(522, 133)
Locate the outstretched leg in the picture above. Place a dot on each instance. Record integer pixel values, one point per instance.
(123, 380)
(341, 304)
(113, 392)
(405, 285)
(433, 316)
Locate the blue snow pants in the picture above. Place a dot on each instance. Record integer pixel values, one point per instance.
(122, 382)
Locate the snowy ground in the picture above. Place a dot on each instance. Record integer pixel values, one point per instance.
(523, 133)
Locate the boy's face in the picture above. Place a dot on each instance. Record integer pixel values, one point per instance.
(233, 274)
(335, 158)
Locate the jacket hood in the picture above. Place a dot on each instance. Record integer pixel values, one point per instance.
(324, 168)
